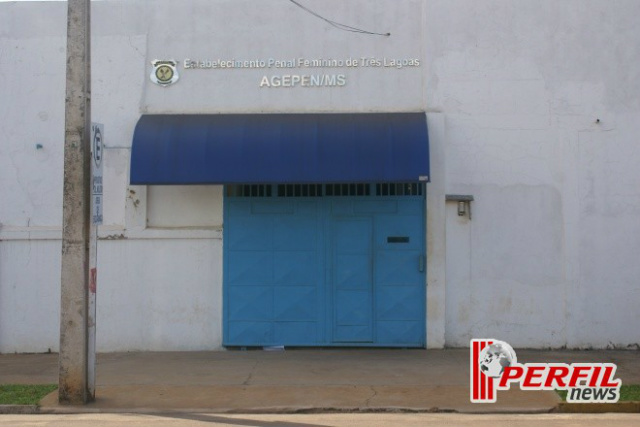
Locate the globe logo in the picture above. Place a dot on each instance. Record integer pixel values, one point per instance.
(495, 357)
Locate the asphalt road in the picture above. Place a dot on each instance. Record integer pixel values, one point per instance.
(321, 420)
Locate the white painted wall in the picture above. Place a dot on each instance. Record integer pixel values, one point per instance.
(29, 295)
(229, 29)
(184, 206)
(160, 294)
(513, 94)
(540, 99)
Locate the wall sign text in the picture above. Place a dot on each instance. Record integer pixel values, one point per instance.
(306, 79)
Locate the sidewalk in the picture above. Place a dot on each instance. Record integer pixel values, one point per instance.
(298, 380)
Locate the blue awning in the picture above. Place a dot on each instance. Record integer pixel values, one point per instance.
(280, 148)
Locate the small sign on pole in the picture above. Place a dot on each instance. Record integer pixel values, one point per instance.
(97, 152)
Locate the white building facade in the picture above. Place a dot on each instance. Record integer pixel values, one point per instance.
(531, 108)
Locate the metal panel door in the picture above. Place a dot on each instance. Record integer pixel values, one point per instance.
(273, 273)
(352, 284)
(317, 268)
(400, 275)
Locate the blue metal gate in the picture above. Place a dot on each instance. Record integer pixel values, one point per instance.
(324, 265)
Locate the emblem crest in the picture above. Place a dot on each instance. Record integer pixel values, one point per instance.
(165, 72)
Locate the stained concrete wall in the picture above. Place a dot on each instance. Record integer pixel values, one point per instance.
(532, 109)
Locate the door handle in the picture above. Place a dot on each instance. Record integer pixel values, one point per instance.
(421, 261)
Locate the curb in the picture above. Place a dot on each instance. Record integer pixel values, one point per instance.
(598, 408)
(277, 410)
(282, 410)
(19, 409)
(291, 410)
(562, 408)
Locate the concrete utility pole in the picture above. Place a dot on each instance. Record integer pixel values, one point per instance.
(74, 357)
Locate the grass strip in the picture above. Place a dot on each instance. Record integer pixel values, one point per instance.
(24, 394)
(628, 393)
